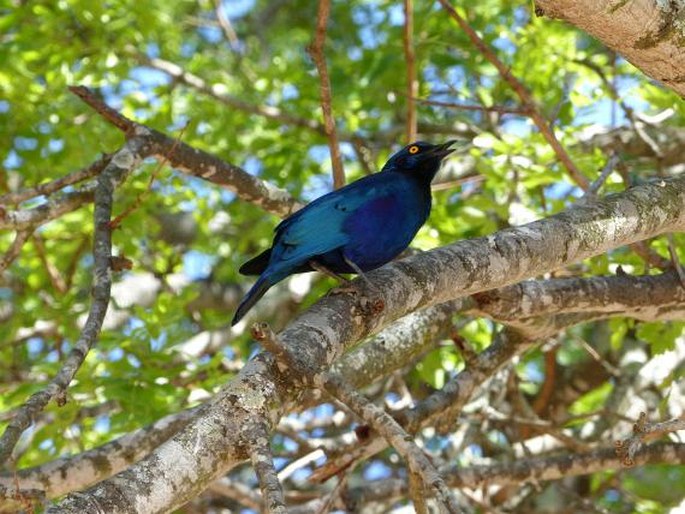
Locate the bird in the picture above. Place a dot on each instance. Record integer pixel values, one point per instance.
(354, 229)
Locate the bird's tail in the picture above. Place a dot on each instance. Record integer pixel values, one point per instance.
(253, 295)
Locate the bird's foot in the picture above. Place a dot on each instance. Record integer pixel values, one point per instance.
(372, 305)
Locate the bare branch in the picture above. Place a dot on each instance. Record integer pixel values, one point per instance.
(315, 49)
(628, 449)
(56, 206)
(217, 92)
(66, 474)
(644, 32)
(445, 404)
(606, 171)
(237, 491)
(186, 462)
(410, 60)
(56, 278)
(641, 296)
(194, 162)
(226, 26)
(277, 114)
(262, 461)
(15, 249)
(122, 163)
(500, 109)
(50, 187)
(392, 432)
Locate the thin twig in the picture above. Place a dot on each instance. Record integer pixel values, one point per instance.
(364, 155)
(449, 184)
(394, 434)
(267, 338)
(410, 60)
(501, 109)
(120, 165)
(628, 111)
(606, 171)
(15, 249)
(111, 115)
(116, 222)
(523, 94)
(73, 263)
(443, 405)
(195, 82)
(334, 495)
(50, 187)
(674, 259)
(263, 463)
(652, 258)
(56, 278)
(315, 49)
(226, 26)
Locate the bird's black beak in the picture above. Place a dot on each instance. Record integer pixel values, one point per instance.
(443, 150)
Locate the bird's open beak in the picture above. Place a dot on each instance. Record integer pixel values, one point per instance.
(444, 149)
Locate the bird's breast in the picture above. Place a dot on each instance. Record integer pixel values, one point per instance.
(382, 228)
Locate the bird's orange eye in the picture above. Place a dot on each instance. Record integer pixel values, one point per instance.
(413, 149)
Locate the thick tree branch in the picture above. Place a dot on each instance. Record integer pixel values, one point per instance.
(647, 33)
(189, 460)
(621, 294)
(55, 207)
(60, 476)
(194, 162)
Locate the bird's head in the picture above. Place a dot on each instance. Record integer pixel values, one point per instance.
(419, 159)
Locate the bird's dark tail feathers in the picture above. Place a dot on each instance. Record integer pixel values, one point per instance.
(256, 265)
(253, 295)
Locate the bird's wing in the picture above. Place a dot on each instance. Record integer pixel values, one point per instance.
(319, 227)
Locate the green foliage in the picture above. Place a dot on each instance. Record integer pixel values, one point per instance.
(137, 369)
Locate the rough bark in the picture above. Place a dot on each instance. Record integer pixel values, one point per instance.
(648, 33)
(215, 442)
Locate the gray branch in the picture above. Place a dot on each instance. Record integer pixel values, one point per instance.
(209, 446)
(121, 164)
